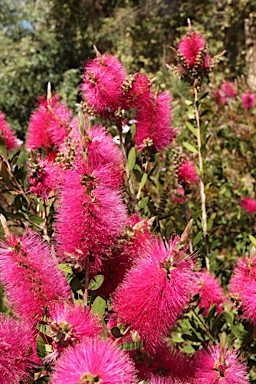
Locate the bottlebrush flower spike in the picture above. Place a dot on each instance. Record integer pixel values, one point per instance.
(243, 276)
(248, 100)
(30, 276)
(97, 211)
(7, 133)
(158, 287)
(44, 177)
(49, 124)
(137, 91)
(102, 84)
(153, 126)
(192, 49)
(210, 292)
(229, 89)
(69, 325)
(102, 151)
(133, 243)
(187, 173)
(219, 365)
(173, 364)
(248, 204)
(94, 360)
(18, 352)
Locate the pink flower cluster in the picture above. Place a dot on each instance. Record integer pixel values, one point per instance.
(109, 92)
(7, 133)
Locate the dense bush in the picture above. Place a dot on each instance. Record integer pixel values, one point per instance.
(128, 250)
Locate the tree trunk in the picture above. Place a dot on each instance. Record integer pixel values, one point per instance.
(250, 42)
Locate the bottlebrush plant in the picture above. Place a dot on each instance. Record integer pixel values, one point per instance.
(108, 251)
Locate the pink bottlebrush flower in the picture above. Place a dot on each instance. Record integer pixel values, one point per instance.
(248, 204)
(191, 48)
(219, 96)
(210, 292)
(18, 351)
(97, 211)
(70, 324)
(187, 173)
(244, 274)
(158, 287)
(154, 119)
(229, 89)
(44, 177)
(219, 365)
(7, 133)
(248, 100)
(49, 124)
(94, 360)
(243, 286)
(137, 92)
(133, 243)
(102, 151)
(30, 276)
(173, 364)
(247, 297)
(102, 84)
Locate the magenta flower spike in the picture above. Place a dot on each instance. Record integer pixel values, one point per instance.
(49, 124)
(248, 100)
(210, 292)
(94, 360)
(97, 211)
(191, 48)
(187, 173)
(229, 89)
(30, 276)
(102, 84)
(18, 352)
(44, 177)
(7, 133)
(248, 204)
(153, 126)
(217, 365)
(158, 287)
(69, 325)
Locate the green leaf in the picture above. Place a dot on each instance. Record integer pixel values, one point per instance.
(96, 282)
(204, 112)
(253, 240)
(188, 349)
(143, 202)
(191, 115)
(191, 128)
(203, 96)
(197, 238)
(36, 219)
(75, 284)
(40, 346)
(190, 147)
(188, 102)
(143, 180)
(211, 313)
(132, 346)
(65, 268)
(99, 306)
(133, 130)
(131, 159)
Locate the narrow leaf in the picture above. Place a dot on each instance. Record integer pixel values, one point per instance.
(143, 180)
(99, 306)
(131, 159)
(190, 147)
